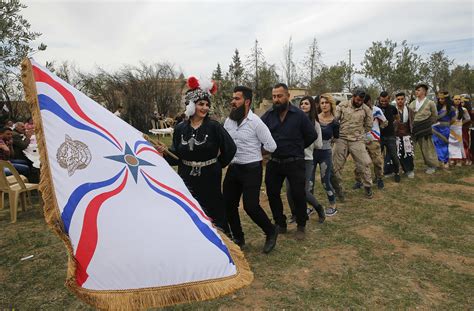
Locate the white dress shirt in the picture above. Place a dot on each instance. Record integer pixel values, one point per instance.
(249, 137)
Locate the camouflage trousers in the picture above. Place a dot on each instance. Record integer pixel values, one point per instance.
(357, 149)
(375, 153)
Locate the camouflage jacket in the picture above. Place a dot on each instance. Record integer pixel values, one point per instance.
(354, 122)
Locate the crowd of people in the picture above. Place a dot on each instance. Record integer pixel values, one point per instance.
(296, 140)
(14, 138)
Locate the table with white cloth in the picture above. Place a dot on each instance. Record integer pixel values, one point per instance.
(32, 153)
(162, 132)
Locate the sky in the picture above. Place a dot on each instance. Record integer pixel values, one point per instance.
(196, 35)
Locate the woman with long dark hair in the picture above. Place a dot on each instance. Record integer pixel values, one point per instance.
(308, 106)
(441, 128)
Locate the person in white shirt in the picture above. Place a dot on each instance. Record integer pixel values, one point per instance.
(244, 175)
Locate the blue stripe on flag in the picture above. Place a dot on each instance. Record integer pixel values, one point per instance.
(139, 142)
(204, 228)
(77, 196)
(47, 103)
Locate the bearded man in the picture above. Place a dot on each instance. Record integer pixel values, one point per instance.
(293, 132)
(244, 175)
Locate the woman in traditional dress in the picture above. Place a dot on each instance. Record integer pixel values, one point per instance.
(204, 147)
(441, 128)
(308, 106)
(456, 148)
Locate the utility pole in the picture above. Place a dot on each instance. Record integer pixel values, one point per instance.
(256, 68)
(350, 71)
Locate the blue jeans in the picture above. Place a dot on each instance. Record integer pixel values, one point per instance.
(323, 157)
(23, 169)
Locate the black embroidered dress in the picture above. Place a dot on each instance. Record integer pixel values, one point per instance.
(211, 148)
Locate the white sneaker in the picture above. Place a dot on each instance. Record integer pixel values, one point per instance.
(430, 170)
(411, 174)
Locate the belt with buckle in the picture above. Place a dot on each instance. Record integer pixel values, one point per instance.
(196, 166)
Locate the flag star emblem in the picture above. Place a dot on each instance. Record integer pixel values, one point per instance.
(131, 160)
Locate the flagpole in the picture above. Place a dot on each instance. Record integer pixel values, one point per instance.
(159, 145)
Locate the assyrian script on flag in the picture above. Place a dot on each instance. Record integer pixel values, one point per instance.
(136, 235)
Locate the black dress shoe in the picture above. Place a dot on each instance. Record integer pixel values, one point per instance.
(270, 242)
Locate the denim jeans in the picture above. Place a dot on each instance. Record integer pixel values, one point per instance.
(21, 166)
(323, 157)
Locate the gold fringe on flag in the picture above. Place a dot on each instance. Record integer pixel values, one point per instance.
(122, 299)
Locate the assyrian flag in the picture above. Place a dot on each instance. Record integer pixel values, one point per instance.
(135, 235)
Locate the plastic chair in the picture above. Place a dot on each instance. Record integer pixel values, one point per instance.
(16, 190)
(11, 180)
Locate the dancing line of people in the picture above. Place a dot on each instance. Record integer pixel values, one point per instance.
(297, 140)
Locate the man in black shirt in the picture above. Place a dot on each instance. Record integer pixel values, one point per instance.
(388, 139)
(293, 132)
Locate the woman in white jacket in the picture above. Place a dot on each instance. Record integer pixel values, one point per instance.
(308, 105)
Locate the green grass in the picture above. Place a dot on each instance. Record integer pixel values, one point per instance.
(411, 246)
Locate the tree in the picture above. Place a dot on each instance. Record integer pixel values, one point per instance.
(312, 62)
(462, 80)
(289, 65)
(141, 90)
(268, 77)
(331, 79)
(407, 68)
(217, 74)
(236, 70)
(253, 65)
(68, 72)
(379, 61)
(436, 71)
(391, 65)
(15, 37)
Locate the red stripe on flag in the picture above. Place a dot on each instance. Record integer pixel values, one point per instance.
(41, 76)
(179, 194)
(148, 149)
(88, 241)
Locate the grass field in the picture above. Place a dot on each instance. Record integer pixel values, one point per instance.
(411, 246)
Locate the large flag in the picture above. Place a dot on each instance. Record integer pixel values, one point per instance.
(136, 237)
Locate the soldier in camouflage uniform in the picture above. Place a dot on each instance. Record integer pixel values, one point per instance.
(355, 120)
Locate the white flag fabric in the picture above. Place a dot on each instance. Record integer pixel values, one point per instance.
(135, 235)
